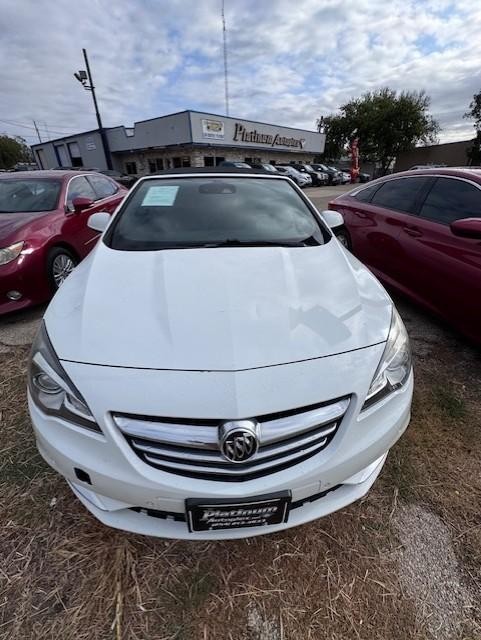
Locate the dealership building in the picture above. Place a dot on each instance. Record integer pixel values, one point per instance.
(185, 139)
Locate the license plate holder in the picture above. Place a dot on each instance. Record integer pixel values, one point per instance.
(220, 514)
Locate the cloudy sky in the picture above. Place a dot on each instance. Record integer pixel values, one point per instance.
(290, 61)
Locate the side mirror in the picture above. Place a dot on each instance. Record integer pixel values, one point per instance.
(333, 219)
(99, 221)
(80, 204)
(467, 228)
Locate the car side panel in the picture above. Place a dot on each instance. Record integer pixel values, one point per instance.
(75, 231)
(445, 271)
(374, 234)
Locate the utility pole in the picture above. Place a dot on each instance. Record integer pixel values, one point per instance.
(38, 132)
(85, 78)
(226, 74)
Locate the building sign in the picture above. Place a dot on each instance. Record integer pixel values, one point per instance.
(90, 144)
(242, 135)
(213, 129)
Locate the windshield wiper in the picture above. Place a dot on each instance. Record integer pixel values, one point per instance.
(234, 242)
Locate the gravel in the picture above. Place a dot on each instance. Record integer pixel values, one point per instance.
(260, 627)
(429, 572)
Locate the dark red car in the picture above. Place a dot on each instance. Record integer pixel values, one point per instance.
(43, 229)
(420, 232)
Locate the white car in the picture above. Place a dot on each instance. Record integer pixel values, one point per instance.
(219, 366)
(301, 179)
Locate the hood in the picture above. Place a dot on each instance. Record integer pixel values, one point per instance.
(11, 225)
(223, 309)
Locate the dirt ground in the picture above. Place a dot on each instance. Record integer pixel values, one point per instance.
(403, 563)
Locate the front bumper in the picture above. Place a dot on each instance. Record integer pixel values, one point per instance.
(26, 274)
(121, 481)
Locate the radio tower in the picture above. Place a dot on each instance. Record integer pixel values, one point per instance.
(226, 74)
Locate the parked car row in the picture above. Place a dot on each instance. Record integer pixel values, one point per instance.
(303, 174)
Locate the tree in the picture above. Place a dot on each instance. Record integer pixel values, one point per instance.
(13, 150)
(386, 123)
(474, 113)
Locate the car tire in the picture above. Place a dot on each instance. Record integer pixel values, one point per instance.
(60, 263)
(342, 234)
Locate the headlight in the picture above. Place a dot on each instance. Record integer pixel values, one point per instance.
(51, 388)
(395, 365)
(10, 253)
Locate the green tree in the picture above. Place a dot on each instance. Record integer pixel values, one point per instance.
(474, 113)
(13, 150)
(386, 123)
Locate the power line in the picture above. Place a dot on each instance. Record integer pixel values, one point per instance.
(12, 123)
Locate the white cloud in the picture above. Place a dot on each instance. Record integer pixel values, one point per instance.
(289, 61)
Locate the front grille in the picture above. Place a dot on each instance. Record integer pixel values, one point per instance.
(189, 447)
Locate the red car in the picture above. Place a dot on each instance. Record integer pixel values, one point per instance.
(43, 229)
(420, 233)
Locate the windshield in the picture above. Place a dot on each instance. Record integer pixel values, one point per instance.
(308, 167)
(28, 195)
(209, 212)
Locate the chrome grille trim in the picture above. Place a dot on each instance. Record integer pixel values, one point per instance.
(191, 447)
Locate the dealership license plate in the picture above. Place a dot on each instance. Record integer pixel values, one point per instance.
(224, 513)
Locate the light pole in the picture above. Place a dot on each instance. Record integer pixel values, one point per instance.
(85, 78)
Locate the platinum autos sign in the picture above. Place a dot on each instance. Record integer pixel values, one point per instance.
(224, 131)
(241, 134)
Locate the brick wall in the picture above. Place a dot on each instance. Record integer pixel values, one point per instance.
(196, 157)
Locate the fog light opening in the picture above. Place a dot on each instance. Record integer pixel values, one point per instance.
(82, 475)
(14, 295)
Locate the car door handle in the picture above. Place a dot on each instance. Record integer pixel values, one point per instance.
(412, 231)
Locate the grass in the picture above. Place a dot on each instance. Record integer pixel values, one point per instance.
(63, 575)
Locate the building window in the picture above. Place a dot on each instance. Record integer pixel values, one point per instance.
(152, 166)
(41, 158)
(248, 160)
(131, 168)
(159, 163)
(75, 156)
(218, 160)
(61, 154)
(208, 161)
(181, 162)
(272, 161)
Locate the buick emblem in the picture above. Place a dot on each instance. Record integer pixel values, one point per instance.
(239, 439)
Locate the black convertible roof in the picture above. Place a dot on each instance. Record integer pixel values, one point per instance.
(201, 170)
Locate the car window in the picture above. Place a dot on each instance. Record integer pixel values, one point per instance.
(80, 188)
(365, 195)
(400, 195)
(103, 186)
(28, 195)
(188, 212)
(450, 200)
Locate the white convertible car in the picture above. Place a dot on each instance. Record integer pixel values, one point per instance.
(219, 366)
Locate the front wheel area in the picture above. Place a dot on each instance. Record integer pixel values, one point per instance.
(60, 264)
(344, 238)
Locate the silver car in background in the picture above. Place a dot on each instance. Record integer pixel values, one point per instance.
(301, 179)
